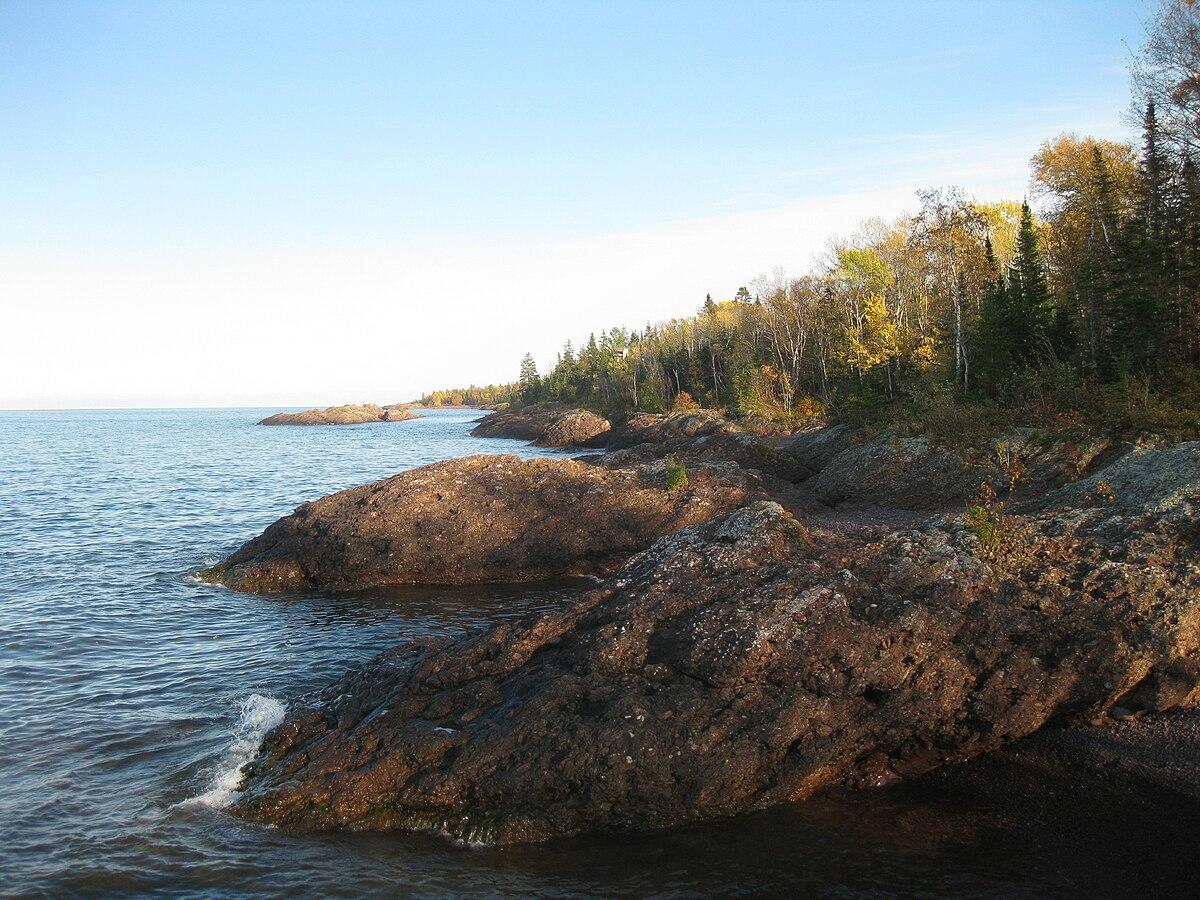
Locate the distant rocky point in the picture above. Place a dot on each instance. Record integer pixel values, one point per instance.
(350, 414)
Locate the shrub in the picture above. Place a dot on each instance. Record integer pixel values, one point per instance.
(985, 518)
(1011, 462)
(677, 478)
(761, 393)
(684, 402)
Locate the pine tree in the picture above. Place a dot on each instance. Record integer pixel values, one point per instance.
(1140, 284)
(1153, 173)
(1030, 306)
(529, 380)
(1096, 274)
(709, 306)
(1186, 324)
(991, 342)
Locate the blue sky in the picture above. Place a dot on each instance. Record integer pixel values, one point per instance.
(165, 135)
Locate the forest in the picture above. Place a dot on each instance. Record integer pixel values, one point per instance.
(1079, 306)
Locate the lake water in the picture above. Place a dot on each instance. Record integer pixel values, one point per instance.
(129, 694)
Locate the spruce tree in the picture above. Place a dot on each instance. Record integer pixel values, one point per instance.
(992, 338)
(1187, 303)
(1031, 308)
(1142, 277)
(1097, 265)
(529, 381)
(1153, 174)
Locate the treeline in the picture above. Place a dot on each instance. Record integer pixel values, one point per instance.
(1091, 309)
(488, 395)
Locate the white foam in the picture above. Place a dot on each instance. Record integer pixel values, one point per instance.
(259, 715)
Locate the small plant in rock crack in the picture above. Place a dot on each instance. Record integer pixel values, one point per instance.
(677, 477)
(985, 517)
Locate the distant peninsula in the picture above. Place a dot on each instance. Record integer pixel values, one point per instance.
(349, 414)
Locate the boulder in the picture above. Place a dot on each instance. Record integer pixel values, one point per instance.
(905, 472)
(576, 428)
(699, 435)
(744, 662)
(546, 424)
(478, 519)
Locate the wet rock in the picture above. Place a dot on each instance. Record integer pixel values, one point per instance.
(740, 663)
(479, 519)
(343, 415)
(546, 424)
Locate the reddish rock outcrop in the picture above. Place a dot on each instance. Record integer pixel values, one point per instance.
(479, 519)
(351, 414)
(546, 424)
(699, 435)
(746, 662)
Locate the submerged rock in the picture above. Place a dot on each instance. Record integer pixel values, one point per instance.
(746, 662)
(478, 519)
(546, 424)
(350, 414)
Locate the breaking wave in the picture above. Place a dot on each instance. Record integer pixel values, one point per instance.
(259, 714)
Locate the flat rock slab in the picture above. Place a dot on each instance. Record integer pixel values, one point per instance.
(478, 519)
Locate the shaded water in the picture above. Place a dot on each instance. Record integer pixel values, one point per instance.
(129, 694)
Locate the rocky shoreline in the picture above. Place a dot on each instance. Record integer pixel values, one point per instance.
(807, 612)
(349, 414)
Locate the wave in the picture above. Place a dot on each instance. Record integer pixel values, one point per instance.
(259, 714)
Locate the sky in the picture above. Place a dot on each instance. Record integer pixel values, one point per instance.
(293, 204)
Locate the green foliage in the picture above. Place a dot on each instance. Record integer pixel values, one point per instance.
(530, 384)
(677, 477)
(985, 518)
(1030, 309)
(488, 395)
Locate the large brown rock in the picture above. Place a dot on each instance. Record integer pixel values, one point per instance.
(546, 424)
(698, 435)
(746, 662)
(351, 414)
(479, 519)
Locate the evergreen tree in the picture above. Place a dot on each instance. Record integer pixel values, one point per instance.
(1030, 306)
(1186, 321)
(992, 338)
(1096, 272)
(1153, 176)
(709, 306)
(1140, 283)
(529, 381)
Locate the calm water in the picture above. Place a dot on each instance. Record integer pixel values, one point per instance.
(129, 694)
